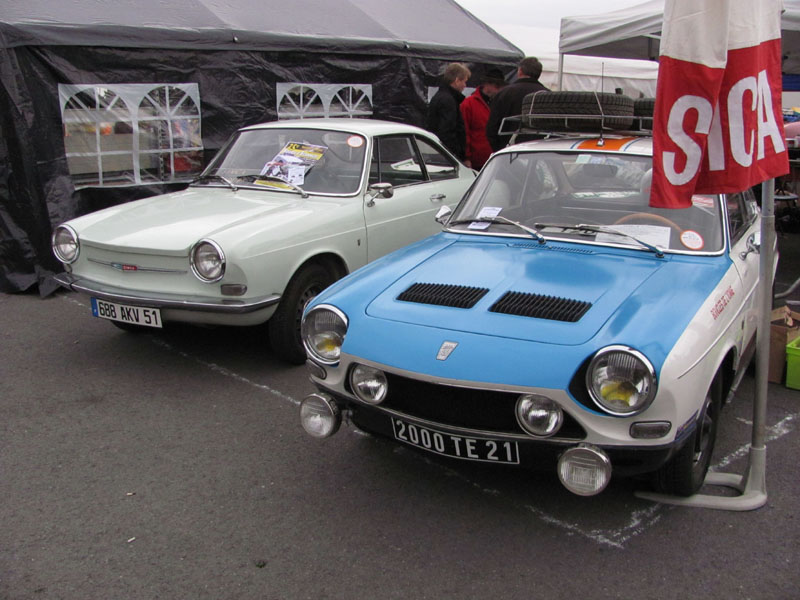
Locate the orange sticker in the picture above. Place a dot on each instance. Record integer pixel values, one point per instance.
(692, 240)
(355, 141)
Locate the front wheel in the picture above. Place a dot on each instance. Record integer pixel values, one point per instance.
(685, 472)
(284, 326)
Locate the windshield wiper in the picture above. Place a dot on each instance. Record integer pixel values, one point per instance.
(227, 181)
(583, 227)
(503, 221)
(294, 187)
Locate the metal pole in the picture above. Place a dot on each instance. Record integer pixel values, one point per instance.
(766, 262)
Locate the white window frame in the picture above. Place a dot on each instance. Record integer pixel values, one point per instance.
(131, 97)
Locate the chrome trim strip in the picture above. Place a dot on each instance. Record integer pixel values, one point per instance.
(164, 301)
(108, 263)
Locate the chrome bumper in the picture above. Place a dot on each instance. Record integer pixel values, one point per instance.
(164, 301)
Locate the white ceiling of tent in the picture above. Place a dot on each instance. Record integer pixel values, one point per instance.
(634, 33)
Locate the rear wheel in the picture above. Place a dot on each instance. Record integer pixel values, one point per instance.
(685, 472)
(284, 326)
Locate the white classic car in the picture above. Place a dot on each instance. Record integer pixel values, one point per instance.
(284, 210)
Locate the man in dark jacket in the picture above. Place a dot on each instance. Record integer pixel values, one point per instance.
(508, 101)
(444, 117)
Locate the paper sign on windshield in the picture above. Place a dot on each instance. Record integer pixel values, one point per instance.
(292, 163)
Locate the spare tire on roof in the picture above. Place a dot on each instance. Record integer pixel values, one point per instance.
(643, 109)
(613, 111)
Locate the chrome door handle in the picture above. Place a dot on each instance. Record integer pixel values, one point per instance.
(438, 197)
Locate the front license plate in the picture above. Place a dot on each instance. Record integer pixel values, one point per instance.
(457, 446)
(136, 315)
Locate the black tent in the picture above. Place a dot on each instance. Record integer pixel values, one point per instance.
(92, 93)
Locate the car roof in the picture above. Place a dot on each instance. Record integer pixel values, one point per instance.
(608, 144)
(368, 127)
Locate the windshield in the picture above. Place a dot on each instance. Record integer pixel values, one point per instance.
(315, 161)
(554, 192)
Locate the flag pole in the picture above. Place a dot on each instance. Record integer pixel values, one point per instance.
(752, 486)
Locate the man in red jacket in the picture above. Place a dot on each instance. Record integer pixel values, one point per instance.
(475, 112)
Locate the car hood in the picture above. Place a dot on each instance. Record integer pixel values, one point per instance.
(172, 223)
(609, 289)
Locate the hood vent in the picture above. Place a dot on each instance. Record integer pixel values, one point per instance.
(440, 294)
(552, 248)
(541, 307)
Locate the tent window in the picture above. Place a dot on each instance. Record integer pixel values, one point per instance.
(131, 134)
(309, 100)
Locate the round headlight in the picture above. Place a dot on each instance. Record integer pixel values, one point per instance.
(621, 381)
(538, 415)
(369, 384)
(320, 416)
(65, 244)
(323, 330)
(208, 261)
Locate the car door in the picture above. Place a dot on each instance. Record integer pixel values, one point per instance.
(423, 177)
(744, 232)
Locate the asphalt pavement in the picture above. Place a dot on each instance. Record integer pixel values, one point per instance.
(173, 465)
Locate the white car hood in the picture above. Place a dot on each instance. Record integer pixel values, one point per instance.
(172, 223)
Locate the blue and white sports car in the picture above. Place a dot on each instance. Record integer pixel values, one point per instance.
(556, 320)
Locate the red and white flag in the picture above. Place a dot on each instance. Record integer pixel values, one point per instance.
(718, 125)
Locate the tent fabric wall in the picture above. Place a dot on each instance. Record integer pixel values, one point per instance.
(237, 57)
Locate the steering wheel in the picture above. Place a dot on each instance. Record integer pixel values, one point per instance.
(642, 216)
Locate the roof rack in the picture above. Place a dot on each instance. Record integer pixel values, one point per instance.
(569, 130)
(555, 114)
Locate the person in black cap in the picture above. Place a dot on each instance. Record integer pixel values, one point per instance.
(475, 112)
(508, 102)
(444, 117)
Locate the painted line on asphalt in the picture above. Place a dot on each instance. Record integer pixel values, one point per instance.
(226, 372)
(209, 365)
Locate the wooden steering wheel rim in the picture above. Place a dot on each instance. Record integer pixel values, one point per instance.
(651, 217)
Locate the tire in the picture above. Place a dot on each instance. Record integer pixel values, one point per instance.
(685, 472)
(643, 111)
(616, 110)
(284, 326)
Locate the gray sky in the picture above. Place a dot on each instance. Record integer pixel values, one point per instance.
(533, 25)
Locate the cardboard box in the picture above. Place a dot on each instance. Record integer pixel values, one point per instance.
(784, 328)
(793, 364)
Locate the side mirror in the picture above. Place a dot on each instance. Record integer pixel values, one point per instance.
(443, 215)
(753, 245)
(384, 190)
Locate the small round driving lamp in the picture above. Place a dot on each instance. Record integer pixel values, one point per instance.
(323, 330)
(65, 244)
(369, 384)
(320, 415)
(584, 470)
(539, 416)
(621, 381)
(208, 261)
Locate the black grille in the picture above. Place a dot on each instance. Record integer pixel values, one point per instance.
(470, 408)
(456, 296)
(552, 248)
(540, 307)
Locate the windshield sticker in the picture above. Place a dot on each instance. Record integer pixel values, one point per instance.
(692, 240)
(293, 162)
(355, 141)
(703, 201)
(652, 234)
(619, 194)
(486, 211)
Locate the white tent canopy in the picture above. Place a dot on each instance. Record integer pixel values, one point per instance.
(635, 33)
(594, 74)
